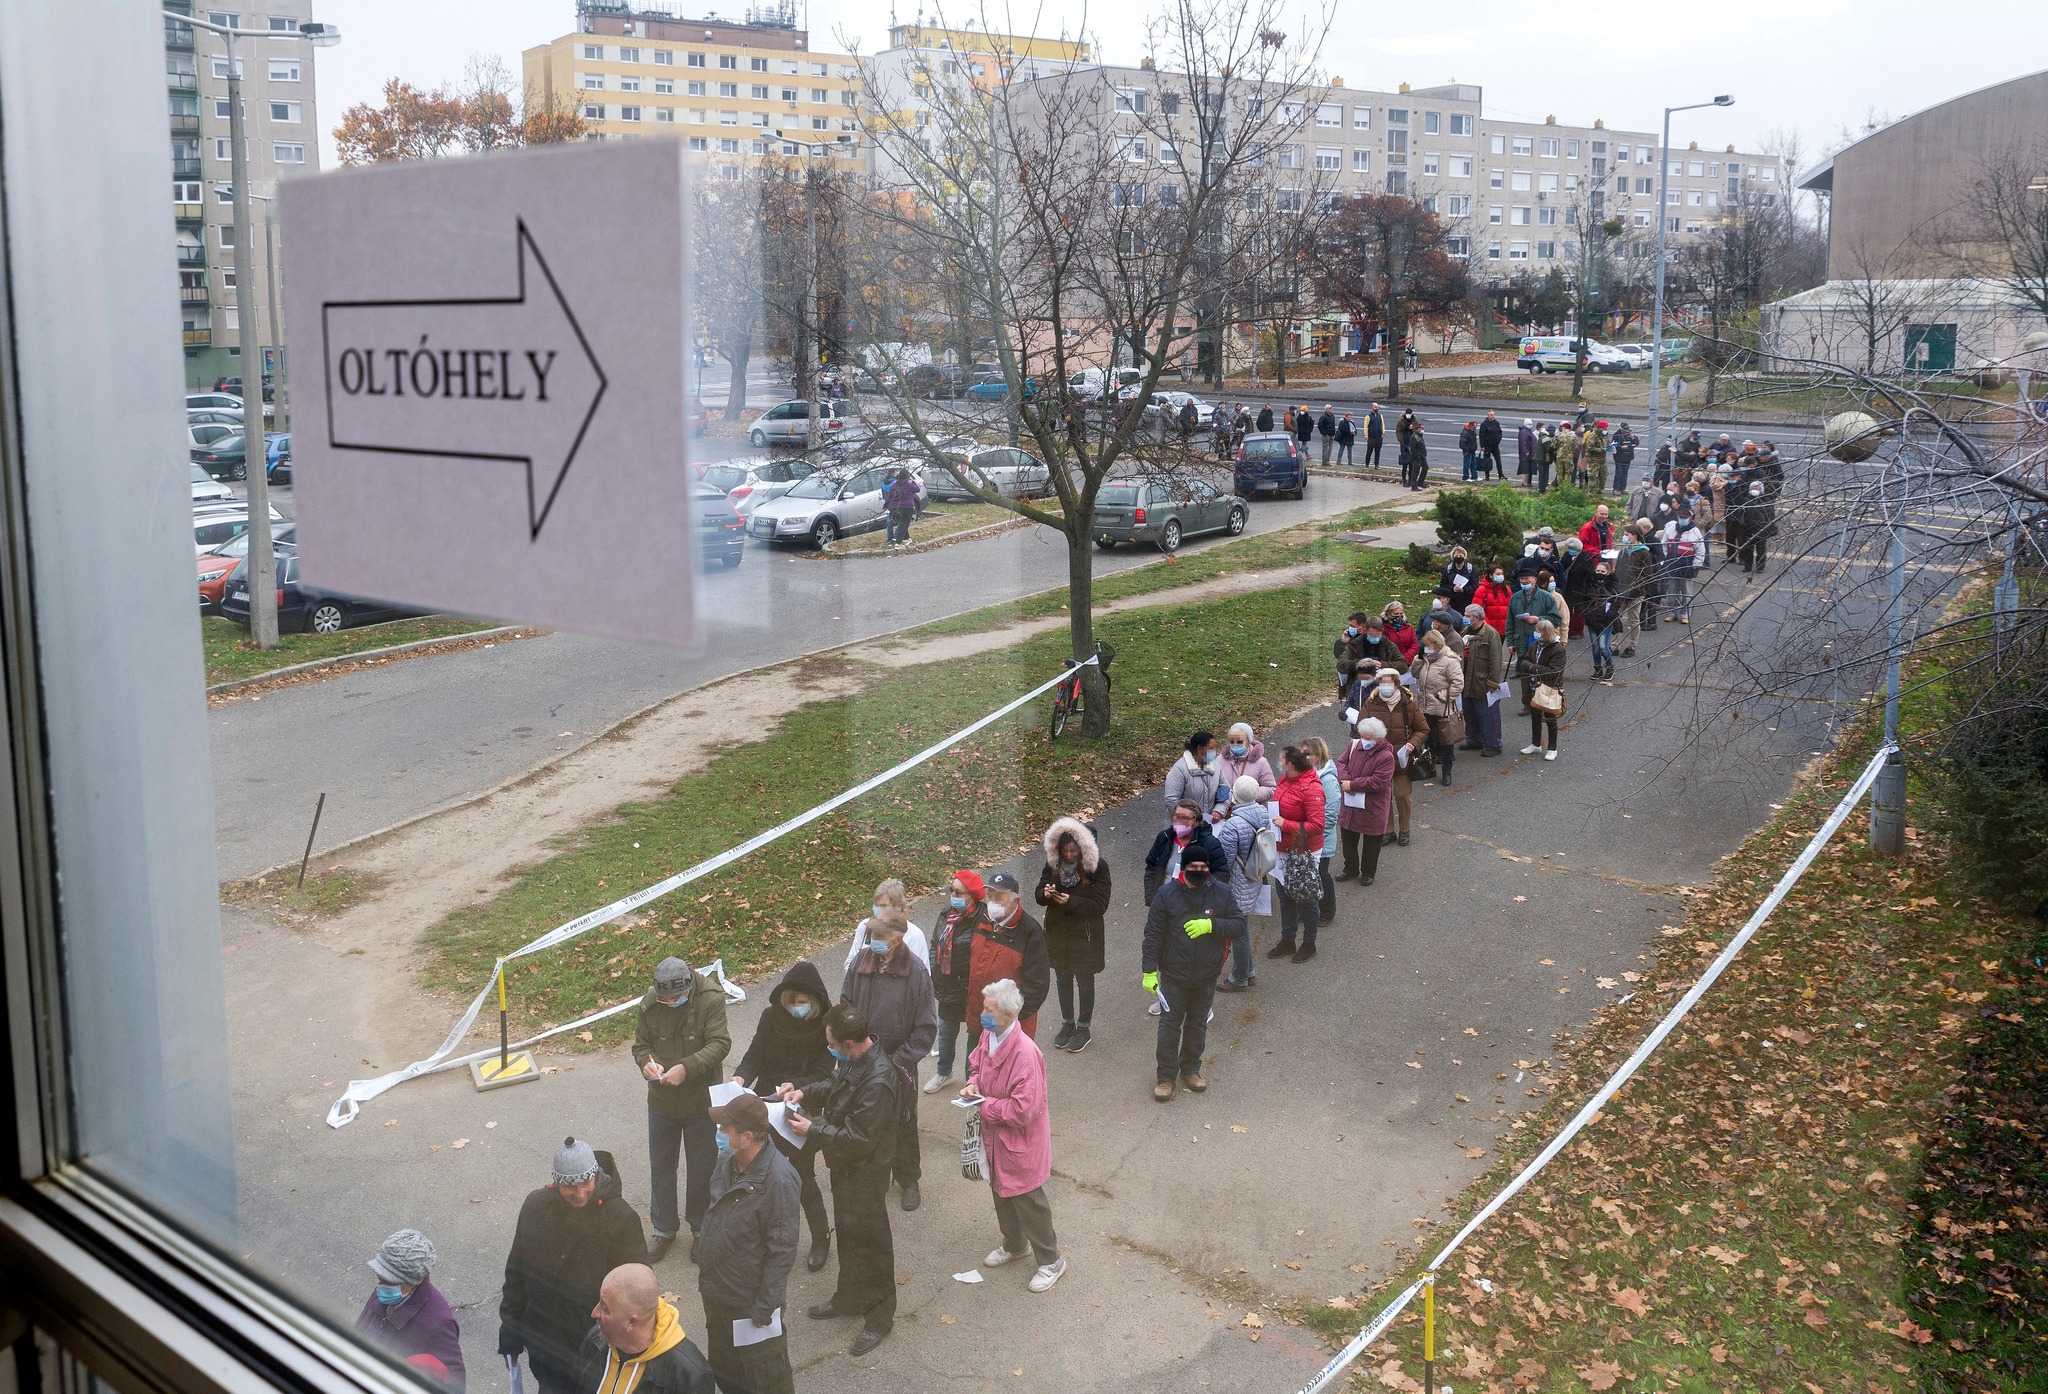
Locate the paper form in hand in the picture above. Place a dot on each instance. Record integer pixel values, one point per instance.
(723, 1094)
(745, 1333)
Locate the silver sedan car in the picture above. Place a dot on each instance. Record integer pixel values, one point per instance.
(1007, 470)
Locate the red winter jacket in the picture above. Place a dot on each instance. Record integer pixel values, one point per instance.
(1591, 539)
(1299, 797)
(1495, 599)
(1405, 639)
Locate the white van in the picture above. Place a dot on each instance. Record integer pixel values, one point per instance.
(1095, 383)
(1552, 353)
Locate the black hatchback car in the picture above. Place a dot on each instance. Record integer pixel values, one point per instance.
(304, 608)
(721, 531)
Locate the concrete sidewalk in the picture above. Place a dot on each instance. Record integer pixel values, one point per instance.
(1349, 1097)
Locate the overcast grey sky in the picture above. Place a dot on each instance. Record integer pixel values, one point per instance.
(1809, 66)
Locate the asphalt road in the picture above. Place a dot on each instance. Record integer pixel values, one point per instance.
(391, 743)
(1345, 1096)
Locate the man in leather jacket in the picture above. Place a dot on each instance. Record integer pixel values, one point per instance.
(852, 1119)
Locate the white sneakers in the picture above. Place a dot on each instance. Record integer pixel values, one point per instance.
(1041, 1281)
(936, 1083)
(1531, 749)
(1550, 755)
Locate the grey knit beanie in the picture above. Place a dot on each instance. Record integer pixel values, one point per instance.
(671, 976)
(574, 1162)
(406, 1257)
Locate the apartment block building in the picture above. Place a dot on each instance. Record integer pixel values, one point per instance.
(726, 87)
(281, 127)
(1512, 192)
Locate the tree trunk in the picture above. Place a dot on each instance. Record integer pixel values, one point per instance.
(1280, 337)
(1392, 334)
(1714, 371)
(736, 387)
(1081, 621)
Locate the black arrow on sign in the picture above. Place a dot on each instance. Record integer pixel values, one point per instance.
(490, 378)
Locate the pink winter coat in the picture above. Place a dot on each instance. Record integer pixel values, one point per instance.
(1299, 797)
(1016, 1114)
(1253, 763)
(1370, 772)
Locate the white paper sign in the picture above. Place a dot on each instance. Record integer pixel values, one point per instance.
(746, 1333)
(491, 392)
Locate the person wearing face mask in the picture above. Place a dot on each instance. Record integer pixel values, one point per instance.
(1459, 580)
(1238, 832)
(1011, 945)
(1243, 754)
(1349, 650)
(1191, 920)
(890, 895)
(1406, 729)
(1318, 752)
(1016, 1136)
(1400, 633)
(1546, 666)
(570, 1233)
(789, 1043)
(680, 1046)
(1493, 597)
(1538, 552)
(1528, 446)
(406, 1314)
(1298, 802)
(1530, 604)
(1548, 580)
(893, 990)
(1187, 829)
(1440, 692)
(1194, 775)
(952, 962)
(750, 1234)
(1365, 783)
(1074, 888)
(1635, 572)
(1484, 667)
(1601, 609)
(1682, 544)
(852, 1119)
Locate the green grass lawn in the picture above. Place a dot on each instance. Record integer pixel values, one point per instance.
(231, 656)
(1255, 657)
(1750, 1212)
(941, 520)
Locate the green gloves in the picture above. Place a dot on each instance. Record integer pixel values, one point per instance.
(1151, 981)
(1197, 928)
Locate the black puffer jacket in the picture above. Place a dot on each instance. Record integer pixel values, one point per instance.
(785, 1050)
(952, 950)
(1074, 930)
(1161, 855)
(559, 1257)
(854, 1113)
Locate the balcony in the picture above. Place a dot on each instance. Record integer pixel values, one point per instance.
(192, 295)
(191, 255)
(185, 123)
(178, 36)
(196, 338)
(193, 213)
(181, 82)
(186, 168)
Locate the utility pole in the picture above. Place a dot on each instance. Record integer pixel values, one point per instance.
(255, 448)
(272, 328)
(1663, 223)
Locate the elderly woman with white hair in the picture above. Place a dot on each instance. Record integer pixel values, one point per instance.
(1238, 832)
(1243, 756)
(1007, 1074)
(406, 1314)
(1365, 782)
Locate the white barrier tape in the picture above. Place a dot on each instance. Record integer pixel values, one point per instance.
(361, 1091)
(1628, 1067)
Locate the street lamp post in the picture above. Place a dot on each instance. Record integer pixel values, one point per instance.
(255, 448)
(810, 327)
(1663, 223)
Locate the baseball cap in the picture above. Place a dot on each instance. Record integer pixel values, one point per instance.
(744, 1111)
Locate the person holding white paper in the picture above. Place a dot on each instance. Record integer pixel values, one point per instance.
(1008, 1076)
(749, 1238)
(1485, 676)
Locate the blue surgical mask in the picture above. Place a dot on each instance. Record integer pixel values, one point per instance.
(1236, 749)
(724, 1146)
(988, 1022)
(958, 902)
(1210, 758)
(390, 1294)
(878, 912)
(878, 948)
(837, 1053)
(800, 1010)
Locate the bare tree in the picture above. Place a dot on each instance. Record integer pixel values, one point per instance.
(2000, 229)
(1078, 225)
(1880, 297)
(1385, 258)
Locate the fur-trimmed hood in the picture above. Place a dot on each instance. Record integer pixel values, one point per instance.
(1063, 826)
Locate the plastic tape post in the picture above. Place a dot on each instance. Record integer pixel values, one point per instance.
(360, 1091)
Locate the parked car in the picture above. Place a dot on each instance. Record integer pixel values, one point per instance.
(1093, 384)
(216, 525)
(936, 380)
(207, 434)
(234, 385)
(1164, 512)
(788, 423)
(1270, 460)
(698, 418)
(824, 507)
(227, 457)
(213, 401)
(305, 608)
(721, 531)
(1552, 353)
(748, 483)
(1011, 472)
(1640, 355)
(214, 416)
(279, 470)
(994, 387)
(217, 565)
(206, 489)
